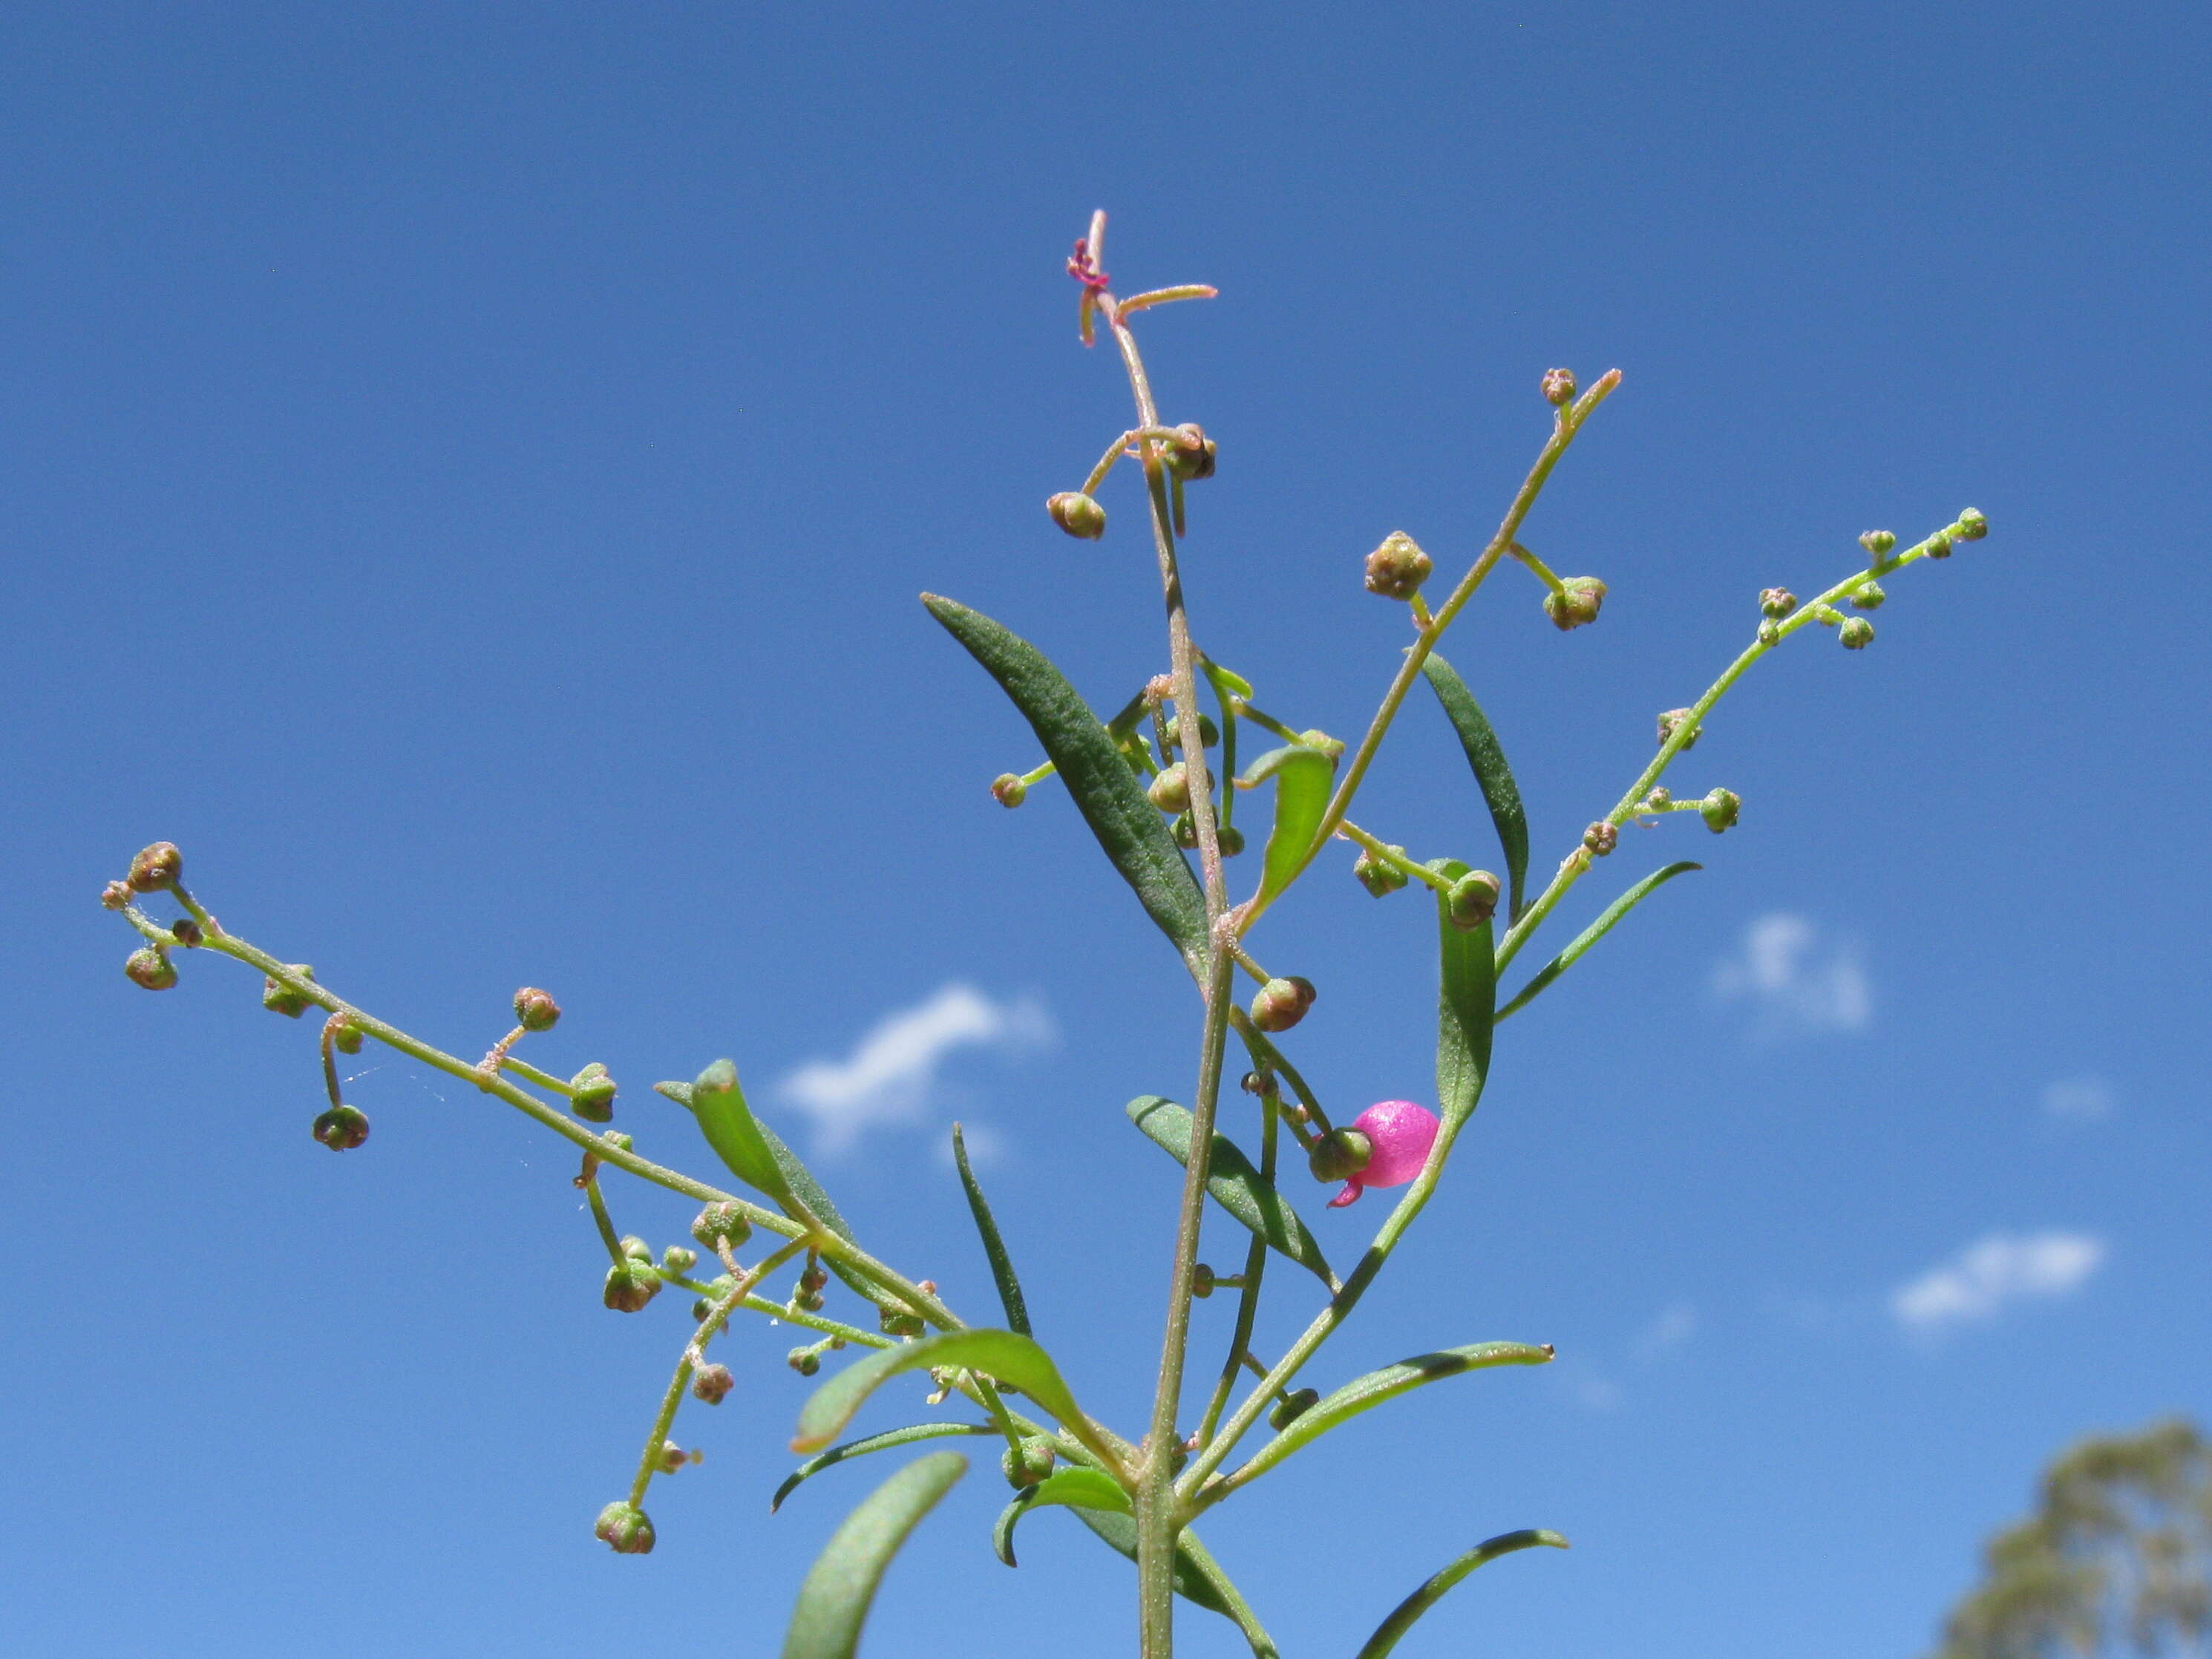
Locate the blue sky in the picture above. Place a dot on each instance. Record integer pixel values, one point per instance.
(470, 470)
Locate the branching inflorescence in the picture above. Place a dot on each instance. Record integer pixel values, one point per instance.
(1152, 797)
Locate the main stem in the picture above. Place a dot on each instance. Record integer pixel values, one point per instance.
(1155, 1502)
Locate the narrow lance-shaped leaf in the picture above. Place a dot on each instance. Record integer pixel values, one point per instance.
(1081, 1489)
(1002, 1265)
(1401, 1620)
(1234, 1184)
(840, 1586)
(1466, 1000)
(734, 1133)
(1596, 930)
(1128, 826)
(1365, 1393)
(1487, 756)
(1002, 1354)
(861, 1448)
(1302, 779)
(797, 1183)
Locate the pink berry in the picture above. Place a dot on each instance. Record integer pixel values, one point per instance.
(1402, 1133)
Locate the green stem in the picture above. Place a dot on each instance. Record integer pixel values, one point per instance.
(606, 1223)
(1154, 1497)
(1397, 861)
(1572, 868)
(1266, 1056)
(529, 1073)
(1569, 422)
(1255, 1264)
(694, 1351)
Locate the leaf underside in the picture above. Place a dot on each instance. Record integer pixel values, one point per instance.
(1486, 755)
(1234, 1183)
(834, 1600)
(1005, 1355)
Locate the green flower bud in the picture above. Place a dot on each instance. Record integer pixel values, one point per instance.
(1278, 1005)
(1577, 604)
(1659, 799)
(1719, 810)
(679, 1258)
(712, 1383)
(188, 932)
(1201, 1281)
(1209, 734)
(899, 1321)
(115, 894)
(1170, 791)
(594, 1099)
(150, 968)
(1185, 831)
(281, 999)
(717, 1288)
(1038, 1455)
(535, 1009)
(1769, 633)
(346, 1037)
(341, 1128)
(1869, 598)
(1472, 901)
(1973, 526)
(625, 1529)
(806, 1301)
(629, 1288)
(1558, 387)
(1857, 634)
(1314, 737)
(1878, 542)
(1379, 876)
(1230, 838)
(1008, 790)
(156, 867)
(1776, 602)
(1287, 1411)
(673, 1457)
(1078, 515)
(804, 1361)
(1601, 838)
(1672, 722)
(1339, 1155)
(1190, 456)
(616, 1139)
(1939, 544)
(721, 1223)
(636, 1248)
(1396, 569)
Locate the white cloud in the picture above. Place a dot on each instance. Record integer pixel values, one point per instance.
(1798, 987)
(2079, 1099)
(1993, 1272)
(1669, 1331)
(887, 1077)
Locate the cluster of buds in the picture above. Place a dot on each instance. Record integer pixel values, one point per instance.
(535, 1009)
(1601, 838)
(1282, 1003)
(624, 1529)
(1190, 455)
(1720, 810)
(1558, 387)
(712, 1383)
(631, 1286)
(1396, 569)
(722, 1226)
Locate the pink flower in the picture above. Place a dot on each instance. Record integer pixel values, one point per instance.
(1400, 1133)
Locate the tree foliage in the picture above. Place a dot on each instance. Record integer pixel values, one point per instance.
(2116, 1558)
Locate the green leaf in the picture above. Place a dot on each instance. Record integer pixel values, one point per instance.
(1596, 930)
(1002, 1354)
(1302, 778)
(1002, 1265)
(1466, 997)
(874, 1442)
(1387, 1633)
(1119, 1532)
(1080, 1489)
(1487, 756)
(1128, 827)
(1234, 1183)
(1365, 1393)
(833, 1601)
(734, 1133)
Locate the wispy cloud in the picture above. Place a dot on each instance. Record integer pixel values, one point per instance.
(1799, 983)
(1992, 1273)
(889, 1076)
(1673, 1327)
(2079, 1099)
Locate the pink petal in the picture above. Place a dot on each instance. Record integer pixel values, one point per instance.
(1349, 1195)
